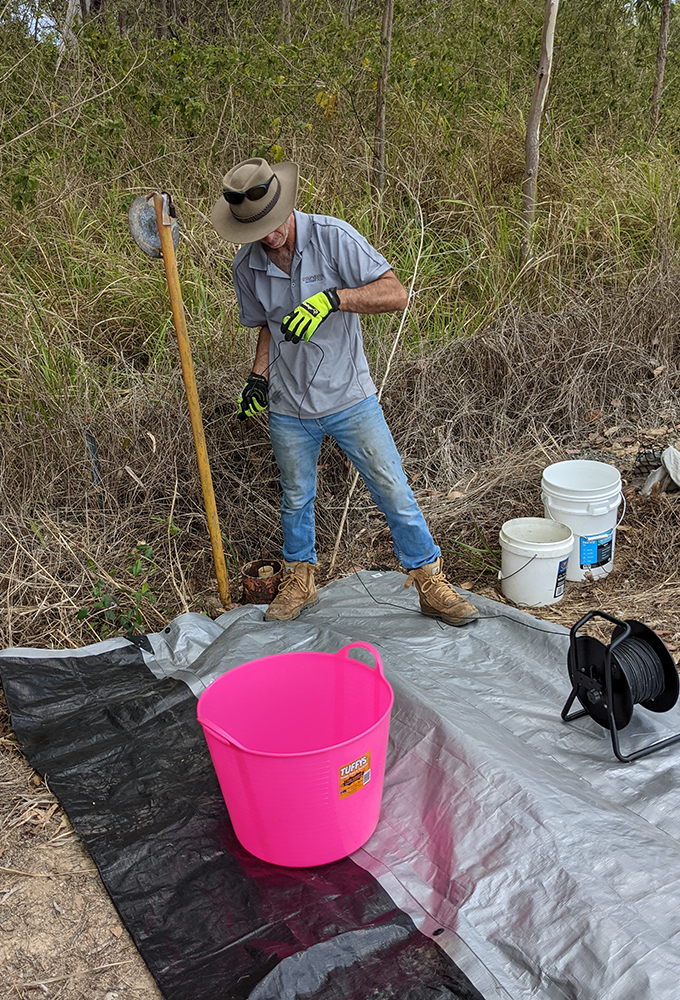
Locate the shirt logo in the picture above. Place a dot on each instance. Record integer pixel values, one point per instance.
(312, 277)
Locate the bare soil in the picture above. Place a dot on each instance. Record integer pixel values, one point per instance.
(60, 935)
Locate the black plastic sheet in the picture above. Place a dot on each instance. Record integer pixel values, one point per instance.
(126, 757)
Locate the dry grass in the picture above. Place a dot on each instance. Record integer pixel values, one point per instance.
(476, 420)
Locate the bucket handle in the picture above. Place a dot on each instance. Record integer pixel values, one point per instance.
(363, 645)
(623, 512)
(510, 575)
(221, 735)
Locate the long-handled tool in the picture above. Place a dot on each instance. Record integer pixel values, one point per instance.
(155, 230)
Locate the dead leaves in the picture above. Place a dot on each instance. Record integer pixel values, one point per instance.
(656, 432)
(35, 813)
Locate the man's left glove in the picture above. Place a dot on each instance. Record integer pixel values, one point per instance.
(306, 318)
(254, 397)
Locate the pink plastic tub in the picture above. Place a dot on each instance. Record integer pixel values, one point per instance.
(298, 742)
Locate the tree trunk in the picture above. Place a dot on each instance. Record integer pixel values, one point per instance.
(68, 44)
(230, 29)
(162, 26)
(284, 8)
(381, 98)
(122, 20)
(90, 9)
(533, 137)
(661, 54)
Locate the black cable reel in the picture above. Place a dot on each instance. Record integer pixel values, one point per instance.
(635, 668)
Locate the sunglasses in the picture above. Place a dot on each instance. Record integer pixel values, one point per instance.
(252, 194)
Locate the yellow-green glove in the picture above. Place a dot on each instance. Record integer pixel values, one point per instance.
(254, 397)
(306, 318)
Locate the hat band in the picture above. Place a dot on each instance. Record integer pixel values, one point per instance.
(265, 211)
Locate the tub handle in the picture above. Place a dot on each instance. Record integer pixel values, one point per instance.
(363, 645)
(621, 501)
(221, 735)
(597, 511)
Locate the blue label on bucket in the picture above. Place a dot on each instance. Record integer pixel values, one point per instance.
(561, 577)
(596, 550)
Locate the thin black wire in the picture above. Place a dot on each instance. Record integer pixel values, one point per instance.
(390, 604)
(417, 611)
(309, 385)
(251, 492)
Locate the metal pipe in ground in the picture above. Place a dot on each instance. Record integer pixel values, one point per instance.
(164, 221)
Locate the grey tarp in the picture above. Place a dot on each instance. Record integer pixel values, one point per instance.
(551, 867)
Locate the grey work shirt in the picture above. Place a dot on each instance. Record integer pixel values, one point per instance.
(328, 373)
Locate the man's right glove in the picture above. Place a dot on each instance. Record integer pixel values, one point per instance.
(254, 397)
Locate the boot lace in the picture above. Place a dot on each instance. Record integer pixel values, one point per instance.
(432, 585)
(435, 583)
(290, 582)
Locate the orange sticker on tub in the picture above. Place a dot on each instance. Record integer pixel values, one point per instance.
(355, 775)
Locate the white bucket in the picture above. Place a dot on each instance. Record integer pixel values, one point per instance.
(534, 560)
(585, 496)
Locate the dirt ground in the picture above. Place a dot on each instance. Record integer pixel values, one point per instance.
(60, 935)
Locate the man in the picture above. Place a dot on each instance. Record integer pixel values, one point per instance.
(304, 280)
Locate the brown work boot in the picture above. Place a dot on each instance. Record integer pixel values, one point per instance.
(438, 598)
(297, 590)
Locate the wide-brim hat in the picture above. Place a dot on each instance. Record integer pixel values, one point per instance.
(252, 220)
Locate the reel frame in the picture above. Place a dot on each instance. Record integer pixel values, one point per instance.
(611, 704)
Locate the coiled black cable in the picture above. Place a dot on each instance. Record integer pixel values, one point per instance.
(641, 667)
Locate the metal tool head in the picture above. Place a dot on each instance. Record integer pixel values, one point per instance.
(144, 228)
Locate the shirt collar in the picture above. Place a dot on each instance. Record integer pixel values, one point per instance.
(303, 230)
(258, 259)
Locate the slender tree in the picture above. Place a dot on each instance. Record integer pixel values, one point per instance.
(533, 136)
(230, 24)
(381, 97)
(90, 9)
(162, 21)
(284, 10)
(661, 54)
(347, 12)
(68, 43)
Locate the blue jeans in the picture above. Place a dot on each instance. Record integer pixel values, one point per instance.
(363, 435)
